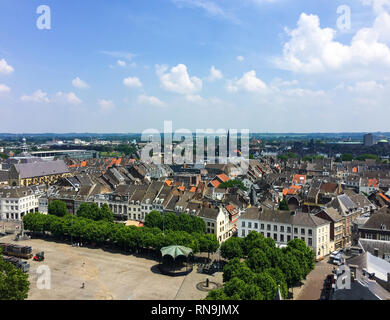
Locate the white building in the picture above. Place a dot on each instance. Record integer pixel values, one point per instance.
(284, 226)
(217, 222)
(16, 202)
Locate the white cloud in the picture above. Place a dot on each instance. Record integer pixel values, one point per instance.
(365, 86)
(178, 80)
(194, 98)
(277, 82)
(249, 82)
(143, 99)
(106, 105)
(132, 82)
(120, 54)
(215, 74)
(312, 49)
(5, 68)
(121, 63)
(299, 92)
(4, 88)
(70, 98)
(378, 5)
(240, 58)
(210, 7)
(80, 84)
(38, 96)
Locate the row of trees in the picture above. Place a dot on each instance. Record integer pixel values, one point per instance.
(257, 267)
(86, 210)
(14, 284)
(174, 222)
(93, 212)
(106, 232)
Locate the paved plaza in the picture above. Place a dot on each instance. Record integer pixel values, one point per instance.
(106, 275)
(314, 283)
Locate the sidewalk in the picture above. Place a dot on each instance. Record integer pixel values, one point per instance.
(312, 287)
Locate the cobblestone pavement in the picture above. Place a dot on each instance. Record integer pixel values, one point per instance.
(314, 283)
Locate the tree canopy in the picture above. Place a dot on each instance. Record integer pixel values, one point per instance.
(232, 184)
(128, 238)
(171, 221)
(57, 208)
(93, 212)
(14, 284)
(265, 268)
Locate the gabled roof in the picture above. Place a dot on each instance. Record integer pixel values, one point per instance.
(209, 213)
(38, 169)
(378, 221)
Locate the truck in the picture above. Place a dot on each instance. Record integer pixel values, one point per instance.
(22, 265)
(336, 257)
(9, 249)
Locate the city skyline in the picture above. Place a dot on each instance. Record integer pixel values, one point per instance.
(277, 66)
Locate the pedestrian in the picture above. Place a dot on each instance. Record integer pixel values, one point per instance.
(83, 286)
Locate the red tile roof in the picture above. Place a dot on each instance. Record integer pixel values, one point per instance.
(215, 183)
(223, 177)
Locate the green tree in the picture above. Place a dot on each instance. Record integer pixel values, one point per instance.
(105, 213)
(232, 248)
(154, 219)
(236, 268)
(57, 208)
(235, 289)
(14, 284)
(232, 184)
(284, 205)
(257, 261)
(267, 285)
(218, 294)
(280, 280)
(346, 157)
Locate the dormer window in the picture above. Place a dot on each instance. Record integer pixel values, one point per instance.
(383, 226)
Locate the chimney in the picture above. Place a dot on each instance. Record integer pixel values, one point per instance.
(376, 252)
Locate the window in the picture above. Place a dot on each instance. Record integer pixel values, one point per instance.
(282, 238)
(268, 227)
(243, 224)
(249, 224)
(310, 241)
(288, 238)
(275, 228)
(268, 235)
(310, 232)
(289, 229)
(295, 231)
(262, 226)
(302, 231)
(256, 225)
(282, 229)
(275, 236)
(303, 238)
(243, 233)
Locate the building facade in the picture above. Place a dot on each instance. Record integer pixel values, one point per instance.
(283, 226)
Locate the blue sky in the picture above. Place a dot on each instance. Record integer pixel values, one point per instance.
(126, 66)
